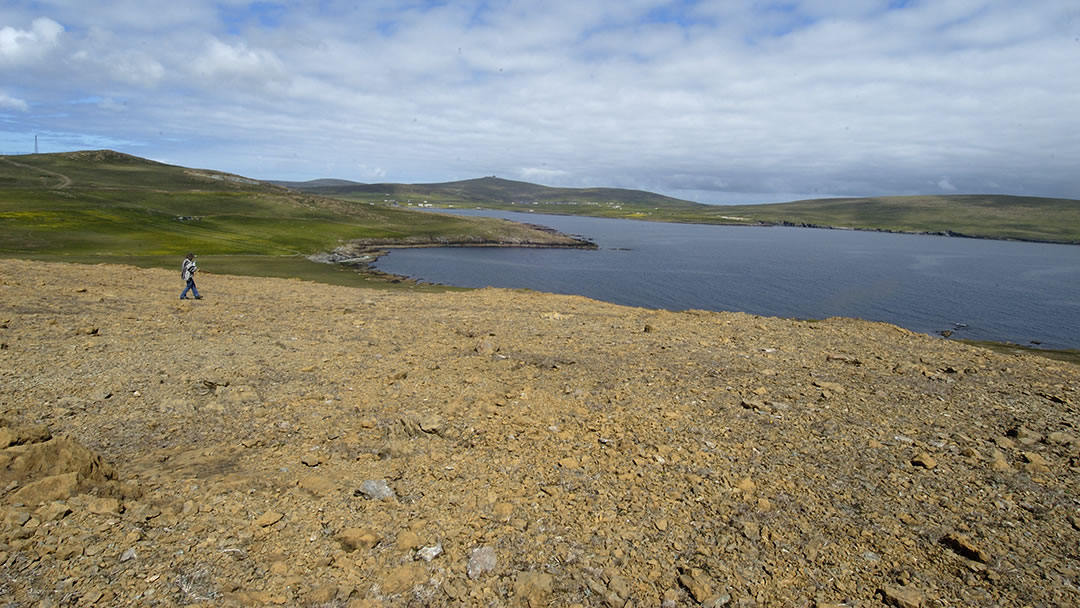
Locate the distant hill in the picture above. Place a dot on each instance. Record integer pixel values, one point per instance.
(314, 184)
(488, 191)
(973, 215)
(982, 216)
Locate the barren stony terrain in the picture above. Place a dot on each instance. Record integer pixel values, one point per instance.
(282, 443)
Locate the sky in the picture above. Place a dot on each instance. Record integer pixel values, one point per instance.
(713, 100)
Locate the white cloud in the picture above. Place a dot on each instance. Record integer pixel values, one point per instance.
(850, 97)
(19, 47)
(222, 63)
(945, 184)
(541, 174)
(11, 103)
(134, 68)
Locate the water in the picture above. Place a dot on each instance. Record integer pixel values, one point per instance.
(979, 289)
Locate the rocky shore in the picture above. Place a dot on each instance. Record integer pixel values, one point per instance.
(283, 443)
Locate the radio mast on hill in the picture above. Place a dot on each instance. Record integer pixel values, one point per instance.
(35, 144)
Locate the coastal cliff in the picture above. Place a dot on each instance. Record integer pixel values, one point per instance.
(289, 443)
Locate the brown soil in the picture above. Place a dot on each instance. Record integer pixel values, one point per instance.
(295, 444)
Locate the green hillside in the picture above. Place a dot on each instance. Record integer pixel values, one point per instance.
(108, 206)
(497, 193)
(985, 216)
(979, 215)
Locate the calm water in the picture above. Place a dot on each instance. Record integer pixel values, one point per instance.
(994, 290)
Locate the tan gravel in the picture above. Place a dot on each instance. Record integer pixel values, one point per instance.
(282, 443)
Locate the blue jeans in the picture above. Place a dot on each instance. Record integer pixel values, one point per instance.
(190, 287)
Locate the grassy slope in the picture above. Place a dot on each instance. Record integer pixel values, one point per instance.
(103, 206)
(990, 216)
(496, 193)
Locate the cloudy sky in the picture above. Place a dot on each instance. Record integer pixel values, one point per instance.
(714, 100)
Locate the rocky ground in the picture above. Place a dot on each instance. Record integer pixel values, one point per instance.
(294, 444)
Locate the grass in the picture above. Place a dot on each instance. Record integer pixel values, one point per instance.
(103, 206)
(1067, 355)
(285, 267)
(986, 216)
(162, 210)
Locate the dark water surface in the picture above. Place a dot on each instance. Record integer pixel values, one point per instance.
(980, 289)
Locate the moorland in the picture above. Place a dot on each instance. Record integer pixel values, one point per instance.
(105, 206)
(992, 216)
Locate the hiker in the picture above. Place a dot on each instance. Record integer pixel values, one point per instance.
(187, 273)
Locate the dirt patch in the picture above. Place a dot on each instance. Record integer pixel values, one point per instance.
(289, 443)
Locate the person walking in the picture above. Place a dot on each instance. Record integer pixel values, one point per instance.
(187, 273)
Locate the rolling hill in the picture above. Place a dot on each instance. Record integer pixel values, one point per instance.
(974, 215)
(494, 192)
(102, 205)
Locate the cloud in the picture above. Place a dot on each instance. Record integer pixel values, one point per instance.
(222, 63)
(945, 184)
(809, 96)
(11, 103)
(541, 174)
(19, 47)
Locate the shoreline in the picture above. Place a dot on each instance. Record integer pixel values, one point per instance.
(783, 223)
(1071, 355)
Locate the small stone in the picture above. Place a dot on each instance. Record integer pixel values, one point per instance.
(717, 602)
(128, 555)
(318, 485)
(532, 588)
(69, 549)
(746, 485)
(432, 424)
(999, 464)
(697, 583)
(1061, 438)
(323, 595)
(269, 518)
(962, 545)
(17, 518)
(569, 462)
(1035, 462)
(481, 561)
(376, 489)
(407, 541)
(429, 553)
(620, 586)
(103, 506)
(310, 460)
(903, 597)
(47, 489)
(403, 578)
(352, 539)
(1024, 436)
(503, 510)
(924, 460)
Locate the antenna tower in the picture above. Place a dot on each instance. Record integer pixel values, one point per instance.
(35, 144)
